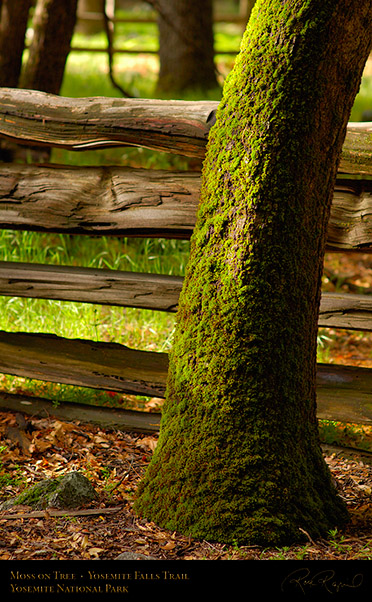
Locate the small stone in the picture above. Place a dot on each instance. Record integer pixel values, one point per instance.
(74, 490)
(133, 556)
(70, 491)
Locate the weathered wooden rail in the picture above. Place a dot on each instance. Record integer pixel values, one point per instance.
(134, 202)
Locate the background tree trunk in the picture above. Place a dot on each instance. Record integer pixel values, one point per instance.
(13, 25)
(239, 457)
(245, 9)
(53, 23)
(186, 49)
(87, 26)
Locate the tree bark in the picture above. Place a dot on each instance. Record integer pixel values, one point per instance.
(239, 457)
(13, 24)
(186, 49)
(54, 23)
(86, 26)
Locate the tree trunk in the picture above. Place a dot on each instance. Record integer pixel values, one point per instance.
(54, 23)
(239, 457)
(245, 9)
(186, 49)
(13, 24)
(86, 26)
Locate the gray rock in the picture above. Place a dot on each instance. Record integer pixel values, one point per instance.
(70, 491)
(74, 490)
(133, 556)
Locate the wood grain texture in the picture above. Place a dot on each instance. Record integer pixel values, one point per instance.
(350, 223)
(98, 201)
(346, 310)
(107, 366)
(37, 118)
(344, 393)
(149, 203)
(125, 420)
(87, 285)
(177, 126)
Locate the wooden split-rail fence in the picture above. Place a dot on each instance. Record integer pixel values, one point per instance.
(119, 201)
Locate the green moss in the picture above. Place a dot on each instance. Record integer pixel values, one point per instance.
(68, 491)
(38, 495)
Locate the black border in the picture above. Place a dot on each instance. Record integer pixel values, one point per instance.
(196, 580)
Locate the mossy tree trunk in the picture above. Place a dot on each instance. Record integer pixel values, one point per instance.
(238, 457)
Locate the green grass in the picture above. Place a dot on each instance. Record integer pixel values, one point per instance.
(9, 480)
(363, 100)
(135, 328)
(143, 329)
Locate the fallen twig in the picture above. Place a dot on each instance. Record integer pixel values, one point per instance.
(54, 512)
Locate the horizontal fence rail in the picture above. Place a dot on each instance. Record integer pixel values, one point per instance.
(119, 201)
(117, 368)
(141, 202)
(99, 201)
(176, 126)
(343, 392)
(148, 291)
(107, 366)
(88, 285)
(126, 420)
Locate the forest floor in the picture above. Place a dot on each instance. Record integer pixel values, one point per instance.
(114, 462)
(36, 448)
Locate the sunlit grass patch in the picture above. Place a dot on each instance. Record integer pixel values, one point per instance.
(346, 434)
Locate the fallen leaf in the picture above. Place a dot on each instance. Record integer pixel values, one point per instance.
(98, 439)
(365, 488)
(95, 551)
(40, 445)
(169, 546)
(147, 443)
